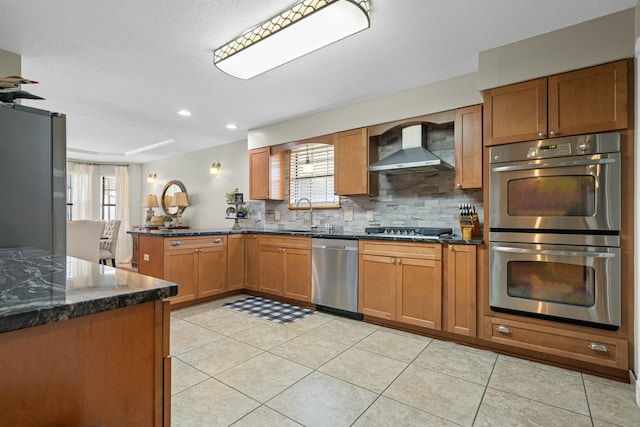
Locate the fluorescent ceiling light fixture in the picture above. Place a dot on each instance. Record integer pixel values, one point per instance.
(184, 113)
(149, 147)
(306, 26)
(231, 126)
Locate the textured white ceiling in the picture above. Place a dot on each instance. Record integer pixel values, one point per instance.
(120, 69)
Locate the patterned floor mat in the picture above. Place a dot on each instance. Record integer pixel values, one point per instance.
(270, 310)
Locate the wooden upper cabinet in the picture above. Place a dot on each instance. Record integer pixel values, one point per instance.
(590, 100)
(515, 113)
(468, 137)
(353, 154)
(266, 174)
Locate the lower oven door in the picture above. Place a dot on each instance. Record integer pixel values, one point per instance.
(580, 283)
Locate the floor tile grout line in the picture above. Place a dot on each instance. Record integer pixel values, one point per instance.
(586, 396)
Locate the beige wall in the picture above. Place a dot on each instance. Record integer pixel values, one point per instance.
(207, 204)
(10, 64)
(432, 98)
(601, 40)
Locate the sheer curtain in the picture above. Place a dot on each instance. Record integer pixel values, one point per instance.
(82, 195)
(124, 249)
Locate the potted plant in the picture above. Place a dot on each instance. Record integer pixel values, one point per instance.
(167, 219)
(231, 196)
(243, 211)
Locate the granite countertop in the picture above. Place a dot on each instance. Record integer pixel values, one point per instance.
(454, 239)
(37, 287)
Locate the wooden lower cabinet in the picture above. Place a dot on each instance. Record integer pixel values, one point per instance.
(197, 264)
(284, 266)
(251, 261)
(236, 260)
(598, 349)
(460, 278)
(401, 282)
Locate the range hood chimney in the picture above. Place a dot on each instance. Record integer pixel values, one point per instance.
(413, 157)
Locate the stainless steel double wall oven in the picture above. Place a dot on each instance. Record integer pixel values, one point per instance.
(555, 217)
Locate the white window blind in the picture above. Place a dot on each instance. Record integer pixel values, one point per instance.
(108, 198)
(317, 185)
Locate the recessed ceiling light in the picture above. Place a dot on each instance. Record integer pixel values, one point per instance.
(231, 126)
(184, 113)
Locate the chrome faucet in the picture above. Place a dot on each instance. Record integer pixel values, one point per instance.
(312, 226)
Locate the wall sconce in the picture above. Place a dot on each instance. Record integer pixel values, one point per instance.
(180, 201)
(215, 168)
(152, 178)
(151, 202)
(304, 27)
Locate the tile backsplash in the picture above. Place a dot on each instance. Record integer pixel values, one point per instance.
(420, 199)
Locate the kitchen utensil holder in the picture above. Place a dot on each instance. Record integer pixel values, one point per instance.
(471, 222)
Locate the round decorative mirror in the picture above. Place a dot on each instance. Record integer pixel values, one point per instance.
(168, 200)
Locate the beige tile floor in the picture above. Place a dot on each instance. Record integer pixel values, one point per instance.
(231, 368)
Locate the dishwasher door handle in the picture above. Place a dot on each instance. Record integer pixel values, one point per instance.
(333, 247)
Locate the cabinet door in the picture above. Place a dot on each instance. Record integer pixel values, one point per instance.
(352, 156)
(419, 299)
(235, 261)
(259, 173)
(515, 113)
(181, 267)
(297, 274)
(461, 289)
(266, 175)
(589, 100)
(468, 134)
(377, 286)
(212, 270)
(251, 264)
(270, 270)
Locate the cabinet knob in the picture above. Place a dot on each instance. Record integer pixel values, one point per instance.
(458, 185)
(553, 133)
(217, 240)
(596, 346)
(393, 260)
(450, 247)
(541, 134)
(503, 329)
(176, 243)
(399, 261)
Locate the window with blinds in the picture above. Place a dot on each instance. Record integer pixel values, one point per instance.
(69, 196)
(108, 197)
(317, 184)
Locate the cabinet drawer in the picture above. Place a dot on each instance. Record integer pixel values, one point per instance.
(285, 241)
(606, 351)
(171, 243)
(401, 249)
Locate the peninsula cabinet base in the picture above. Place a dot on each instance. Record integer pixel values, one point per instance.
(106, 369)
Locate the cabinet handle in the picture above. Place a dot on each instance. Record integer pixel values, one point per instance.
(399, 261)
(553, 133)
(503, 329)
(450, 247)
(217, 240)
(596, 346)
(541, 134)
(176, 243)
(393, 260)
(458, 185)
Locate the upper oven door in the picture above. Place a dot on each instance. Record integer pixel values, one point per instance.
(566, 193)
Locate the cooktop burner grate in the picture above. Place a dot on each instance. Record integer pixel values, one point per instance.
(409, 231)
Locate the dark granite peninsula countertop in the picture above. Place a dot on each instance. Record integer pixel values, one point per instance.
(37, 287)
(453, 239)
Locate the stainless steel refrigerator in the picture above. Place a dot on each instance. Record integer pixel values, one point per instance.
(33, 176)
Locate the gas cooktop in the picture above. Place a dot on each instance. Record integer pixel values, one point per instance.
(424, 232)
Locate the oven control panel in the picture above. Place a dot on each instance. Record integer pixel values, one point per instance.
(551, 150)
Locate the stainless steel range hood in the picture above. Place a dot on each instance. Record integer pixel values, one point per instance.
(413, 157)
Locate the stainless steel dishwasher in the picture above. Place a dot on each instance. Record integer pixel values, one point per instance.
(335, 276)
